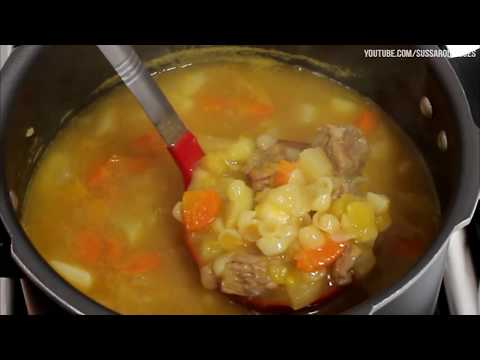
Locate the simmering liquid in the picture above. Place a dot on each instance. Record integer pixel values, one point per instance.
(99, 206)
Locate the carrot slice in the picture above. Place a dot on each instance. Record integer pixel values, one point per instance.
(149, 144)
(251, 107)
(260, 110)
(200, 209)
(282, 175)
(99, 175)
(113, 251)
(138, 165)
(367, 122)
(142, 263)
(88, 247)
(308, 260)
(210, 103)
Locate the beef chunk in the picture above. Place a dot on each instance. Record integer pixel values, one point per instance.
(343, 267)
(261, 168)
(246, 275)
(346, 148)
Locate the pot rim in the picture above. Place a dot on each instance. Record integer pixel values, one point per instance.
(59, 290)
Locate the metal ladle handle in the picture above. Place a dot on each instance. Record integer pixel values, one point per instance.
(130, 68)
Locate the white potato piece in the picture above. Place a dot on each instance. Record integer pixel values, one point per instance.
(314, 164)
(307, 113)
(266, 141)
(291, 198)
(344, 106)
(380, 203)
(241, 150)
(193, 83)
(105, 124)
(57, 168)
(303, 293)
(75, 275)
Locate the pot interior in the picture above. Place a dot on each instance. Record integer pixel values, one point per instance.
(62, 79)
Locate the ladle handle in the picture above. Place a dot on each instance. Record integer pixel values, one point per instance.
(130, 68)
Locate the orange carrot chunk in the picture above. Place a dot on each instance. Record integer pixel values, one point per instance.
(367, 122)
(88, 247)
(200, 209)
(259, 110)
(283, 172)
(113, 252)
(149, 144)
(142, 263)
(308, 260)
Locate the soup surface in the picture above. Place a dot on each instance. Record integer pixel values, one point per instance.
(99, 205)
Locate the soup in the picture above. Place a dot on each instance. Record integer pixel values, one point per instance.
(101, 205)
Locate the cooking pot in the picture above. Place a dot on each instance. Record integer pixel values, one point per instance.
(41, 85)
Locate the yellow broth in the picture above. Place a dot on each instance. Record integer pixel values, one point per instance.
(135, 210)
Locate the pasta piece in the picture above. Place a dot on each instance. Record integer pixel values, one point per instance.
(178, 212)
(248, 226)
(279, 241)
(321, 203)
(326, 222)
(271, 214)
(240, 198)
(311, 237)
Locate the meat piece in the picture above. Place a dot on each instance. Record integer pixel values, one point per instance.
(346, 185)
(207, 277)
(346, 148)
(246, 275)
(261, 168)
(342, 269)
(260, 177)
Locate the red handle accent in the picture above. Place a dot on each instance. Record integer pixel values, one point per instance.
(187, 153)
